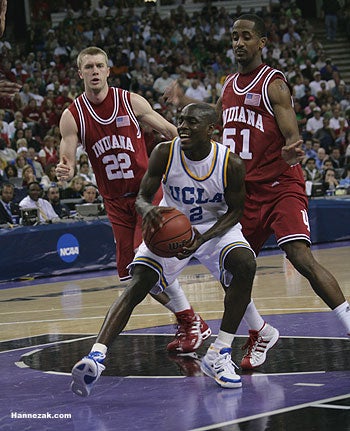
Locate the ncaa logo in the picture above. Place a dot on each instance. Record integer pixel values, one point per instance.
(68, 247)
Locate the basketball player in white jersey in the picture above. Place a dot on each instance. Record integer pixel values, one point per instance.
(107, 122)
(206, 181)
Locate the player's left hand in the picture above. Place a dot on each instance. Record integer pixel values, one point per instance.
(153, 218)
(196, 241)
(293, 153)
(64, 171)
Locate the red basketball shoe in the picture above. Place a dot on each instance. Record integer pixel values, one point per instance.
(258, 344)
(192, 330)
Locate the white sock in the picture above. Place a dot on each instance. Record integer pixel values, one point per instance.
(177, 298)
(224, 339)
(253, 318)
(343, 314)
(99, 347)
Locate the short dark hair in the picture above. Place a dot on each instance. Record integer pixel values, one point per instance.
(6, 184)
(208, 111)
(259, 24)
(90, 185)
(34, 182)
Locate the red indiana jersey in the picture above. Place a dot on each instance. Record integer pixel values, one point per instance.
(114, 142)
(250, 128)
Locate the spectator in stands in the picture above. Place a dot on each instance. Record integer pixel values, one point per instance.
(6, 153)
(28, 175)
(337, 122)
(315, 122)
(301, 116)
(20, 162)
(321, 157)
(312, 173)
(20, 74)
(17, 123)
(86, 172)
(33, 156)
(161, 83)
(327, 164)
(345, 180)
(48, 115)
(8, 208)
(308, 184)
(50, 178)
(299, 86)
(325, 135)
(291, 36)
(75, 188)
(330, 183)
(339, 90)
(335, 82)
(309, 150)
(53, 196)
(315, 84)
(11, 171)
(324, 94)
(4, 127)
(197, 91)
(90, 194)
(31, 141)
(34, 200)
(330, 9)
(31, 116)
(336, 158)
(48, 154)
(328, 69)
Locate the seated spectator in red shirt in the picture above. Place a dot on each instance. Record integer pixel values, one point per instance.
(48, 154)
(63, 97)
(31, 116)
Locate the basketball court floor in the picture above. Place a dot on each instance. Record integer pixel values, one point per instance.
(48, 324)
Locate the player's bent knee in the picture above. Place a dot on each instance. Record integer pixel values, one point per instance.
(241, 262)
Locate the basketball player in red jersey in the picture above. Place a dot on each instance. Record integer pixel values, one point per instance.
(260, 126)
(107, 122)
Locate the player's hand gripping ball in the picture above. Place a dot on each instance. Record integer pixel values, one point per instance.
(169, 240)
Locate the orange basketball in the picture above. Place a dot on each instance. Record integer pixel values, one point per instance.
(170, 239)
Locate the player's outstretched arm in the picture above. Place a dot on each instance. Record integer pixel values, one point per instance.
(145, 114)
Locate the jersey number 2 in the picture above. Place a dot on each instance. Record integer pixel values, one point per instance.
(228, 140)
(117, 166)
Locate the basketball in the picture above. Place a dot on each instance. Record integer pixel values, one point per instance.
(170, 239)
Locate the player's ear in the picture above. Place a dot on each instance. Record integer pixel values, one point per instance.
(262, 42)
(211, 128)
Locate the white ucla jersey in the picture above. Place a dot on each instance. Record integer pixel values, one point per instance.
(196, 187)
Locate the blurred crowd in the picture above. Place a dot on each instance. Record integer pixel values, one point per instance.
(147, 53)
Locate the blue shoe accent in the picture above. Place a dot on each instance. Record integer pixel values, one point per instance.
(219, 366)
(86, 372)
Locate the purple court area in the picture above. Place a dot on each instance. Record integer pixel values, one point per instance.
(174, 403)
